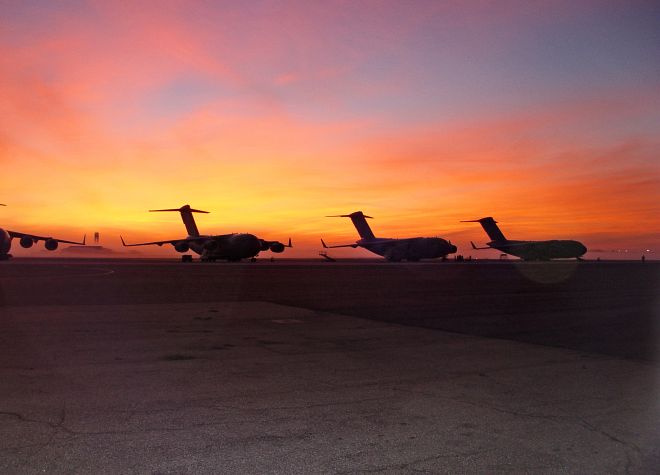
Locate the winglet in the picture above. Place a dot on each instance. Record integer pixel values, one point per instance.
(323, 242)
(289, 245)
(475, 247)
(122, 241)
(84, 239)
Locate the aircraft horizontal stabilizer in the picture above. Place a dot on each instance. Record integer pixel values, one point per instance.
(347, 216)
(477, 220)
(183, 208)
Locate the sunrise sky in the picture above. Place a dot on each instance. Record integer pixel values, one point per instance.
(545, 115)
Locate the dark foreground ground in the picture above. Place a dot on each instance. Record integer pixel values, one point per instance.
(161, 367)
(611, 308)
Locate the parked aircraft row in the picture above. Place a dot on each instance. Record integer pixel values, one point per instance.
(237, 246)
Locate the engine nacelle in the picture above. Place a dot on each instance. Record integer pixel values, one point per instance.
(277, 247)
(181, 246)
(211, 245)
(51, 244)
(26, 242)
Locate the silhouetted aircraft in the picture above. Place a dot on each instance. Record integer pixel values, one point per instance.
(395, 250)
(27, 240)
(528, 250)
(230, 247)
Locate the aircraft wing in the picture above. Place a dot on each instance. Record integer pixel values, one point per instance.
(15, 234)
(160, 243)
(475, 247)
(339, 245)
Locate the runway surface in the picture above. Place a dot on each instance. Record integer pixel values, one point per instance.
(156, 366)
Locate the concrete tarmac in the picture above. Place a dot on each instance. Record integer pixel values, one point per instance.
(302, 367)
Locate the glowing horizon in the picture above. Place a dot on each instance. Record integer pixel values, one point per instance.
(273, 115)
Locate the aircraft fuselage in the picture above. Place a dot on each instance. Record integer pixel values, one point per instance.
(541, 250)
(230, 247)
(5, 244)
(410, 249)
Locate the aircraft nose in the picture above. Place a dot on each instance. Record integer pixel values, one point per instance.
(452, 249)
(582, 248)
(252, 244)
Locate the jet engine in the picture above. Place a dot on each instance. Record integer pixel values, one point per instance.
(181, 246)
(211, 245)
(27, 241)
(51, 244)
(277, 247)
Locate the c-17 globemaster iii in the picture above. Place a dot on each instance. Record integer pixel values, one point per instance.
(230, 247)
(394, 250)
(528, 250)
(27, 240)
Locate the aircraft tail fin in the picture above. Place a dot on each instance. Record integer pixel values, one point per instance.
(360, 222)
(491, 228)
(186, 216)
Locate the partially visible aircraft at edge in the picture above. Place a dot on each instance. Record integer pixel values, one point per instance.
(528, 250)
(27, 240)
(230, 247)
(395, 250)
